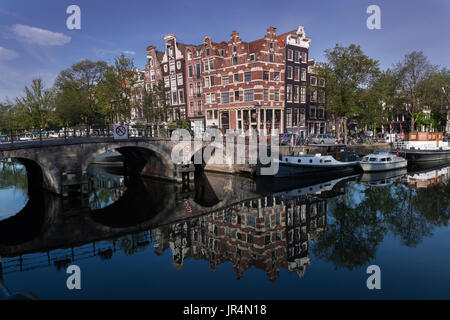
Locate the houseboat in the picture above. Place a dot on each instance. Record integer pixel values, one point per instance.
(382, 161)
(421, 147)
(314, 159)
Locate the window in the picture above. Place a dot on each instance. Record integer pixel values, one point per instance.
(296, 73)
(234, 48)
(172, 66)
(288, 117)
(207, 51)
(236, 95)
(208, 98)
(303, 74)
(189, 55)
(296, 93)
(191, 90)
(304, 57)
(312, 112)
(206, 66)
(251, 221)
(180, 79)
(303, 95)
(277, 95)
(225, 97)
(271, 45)
(236, 77)
(289, 72)
(225, 80)
(321, 113)
(211, 65)
(289, 92)
(222, 52)
(252, 57)
(296, 57)
(190, 71)
(181, 96)
(198, 70)
(267, 239)
(289, 54)
(267, 221)
(266, 75)
(247, 76)
(322, 82)
(266, 94)
(276, 76)
(235, 60)
(152, 75)
(248, 95)
(213, 97)
(174, 97)
(249, 238)
(271, 57)
(314, 96)
(173, 82)
(207, 82)
(211, 80)
(312, 81)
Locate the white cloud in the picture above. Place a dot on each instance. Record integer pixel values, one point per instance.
(33, 35)
(6, 54)
(106, 53)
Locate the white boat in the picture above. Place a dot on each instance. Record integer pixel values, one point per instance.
(382, 161)
(318, 159)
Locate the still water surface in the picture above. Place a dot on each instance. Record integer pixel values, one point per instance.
(229, 237)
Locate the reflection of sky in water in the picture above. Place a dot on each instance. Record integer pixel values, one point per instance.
(11, 202)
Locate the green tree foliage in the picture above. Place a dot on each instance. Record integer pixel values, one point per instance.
(347, 71)
(116, 90)
(78, 100)
(36, 108)
(415, 84)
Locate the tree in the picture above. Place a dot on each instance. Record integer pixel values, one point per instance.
(78, 99)
(37, 106)
(375, 99)
(117, 87)
(415, 75)
(346, 72)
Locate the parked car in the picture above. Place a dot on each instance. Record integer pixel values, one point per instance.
(285, 139)
(322, 138)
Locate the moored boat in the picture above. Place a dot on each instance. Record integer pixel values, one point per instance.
(424, 147)
(382, 161)
(323, 159)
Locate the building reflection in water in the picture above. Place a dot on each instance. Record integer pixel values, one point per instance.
(268, 230)
(268, 233)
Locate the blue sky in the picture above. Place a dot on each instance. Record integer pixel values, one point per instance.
(34, 40)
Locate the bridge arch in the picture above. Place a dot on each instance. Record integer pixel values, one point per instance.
(139, 158)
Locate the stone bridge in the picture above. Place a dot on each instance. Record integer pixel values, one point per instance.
(49, 222)
(57, 164)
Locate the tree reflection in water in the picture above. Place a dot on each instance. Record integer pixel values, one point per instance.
(359, 220)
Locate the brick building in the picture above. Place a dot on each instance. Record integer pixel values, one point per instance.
(258, 86)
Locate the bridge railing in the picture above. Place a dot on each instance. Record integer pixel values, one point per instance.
(30, 135)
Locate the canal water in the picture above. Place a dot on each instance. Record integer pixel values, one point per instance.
(229, 237)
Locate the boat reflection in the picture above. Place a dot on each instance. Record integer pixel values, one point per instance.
(230, 219)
